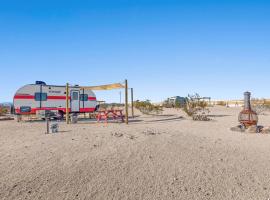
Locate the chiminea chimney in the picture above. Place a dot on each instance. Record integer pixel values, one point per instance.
(247, 104)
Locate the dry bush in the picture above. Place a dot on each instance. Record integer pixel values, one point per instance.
(196, 108)
(260, 106)
(3, 111)
(146, 107)
(166, 104)
(260, 109)
(267, 103)
(221, 103)
(108, 106)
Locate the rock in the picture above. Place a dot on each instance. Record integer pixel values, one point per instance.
(132, 137)
(265, 130)
(151, 132)
(117, 134)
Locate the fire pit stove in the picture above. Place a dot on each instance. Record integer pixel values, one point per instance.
(248, 117)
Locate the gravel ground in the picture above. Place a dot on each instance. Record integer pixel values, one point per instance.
(154, 157)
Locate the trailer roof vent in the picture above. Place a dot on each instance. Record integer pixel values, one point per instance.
(40, 83)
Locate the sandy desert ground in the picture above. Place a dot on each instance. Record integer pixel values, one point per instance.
(154, 157)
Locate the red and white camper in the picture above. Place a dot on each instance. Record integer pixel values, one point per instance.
(32, 98)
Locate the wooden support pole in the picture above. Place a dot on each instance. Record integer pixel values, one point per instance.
(48, 125)
(126, 101)
(132, 105)
(67, 103)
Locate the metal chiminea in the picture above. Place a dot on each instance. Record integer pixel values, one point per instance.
(248, 117)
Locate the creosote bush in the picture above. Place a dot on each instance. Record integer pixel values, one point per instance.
(260, 106)
(146, 107)
(3, 111)
(111, 106)
(221, 103)
(196, 108)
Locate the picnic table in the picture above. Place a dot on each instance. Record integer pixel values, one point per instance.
(112, 113)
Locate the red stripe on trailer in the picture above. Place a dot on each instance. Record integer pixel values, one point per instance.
(92, 98)
(44, 108)
(33, 110)
(49, 97)
(33, 97)
(87, 109)
(58, 97)
(24, 97)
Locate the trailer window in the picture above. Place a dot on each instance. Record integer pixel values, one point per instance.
(75, 96)
(84, 97)
(40, 96)
(25, 109)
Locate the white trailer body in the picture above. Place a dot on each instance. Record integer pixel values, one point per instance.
(35, 97)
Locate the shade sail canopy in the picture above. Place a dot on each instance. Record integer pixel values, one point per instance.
(105, 87)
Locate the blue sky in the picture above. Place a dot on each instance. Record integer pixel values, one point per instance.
(163, 47)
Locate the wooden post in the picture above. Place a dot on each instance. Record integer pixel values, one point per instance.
(132, 106)
(67, 103)
(126, 100)
(48, 125)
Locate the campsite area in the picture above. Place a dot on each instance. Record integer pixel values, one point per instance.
(167, 156)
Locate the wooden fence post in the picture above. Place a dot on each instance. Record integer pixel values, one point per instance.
(132, 105)
(67, 103)
(126, 100)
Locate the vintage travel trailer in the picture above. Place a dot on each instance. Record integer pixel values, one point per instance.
(39, 97)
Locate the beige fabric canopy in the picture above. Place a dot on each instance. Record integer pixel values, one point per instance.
(105, 87)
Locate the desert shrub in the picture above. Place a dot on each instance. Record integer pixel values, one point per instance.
(166, 104)
(260, 109)
(267, 103)
(260, 106)
(221, 103)
(146, 107)
(111, 106)
(3, 111)
(196, 108)
(178, 104)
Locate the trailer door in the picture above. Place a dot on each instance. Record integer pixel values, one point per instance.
(75, 100)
